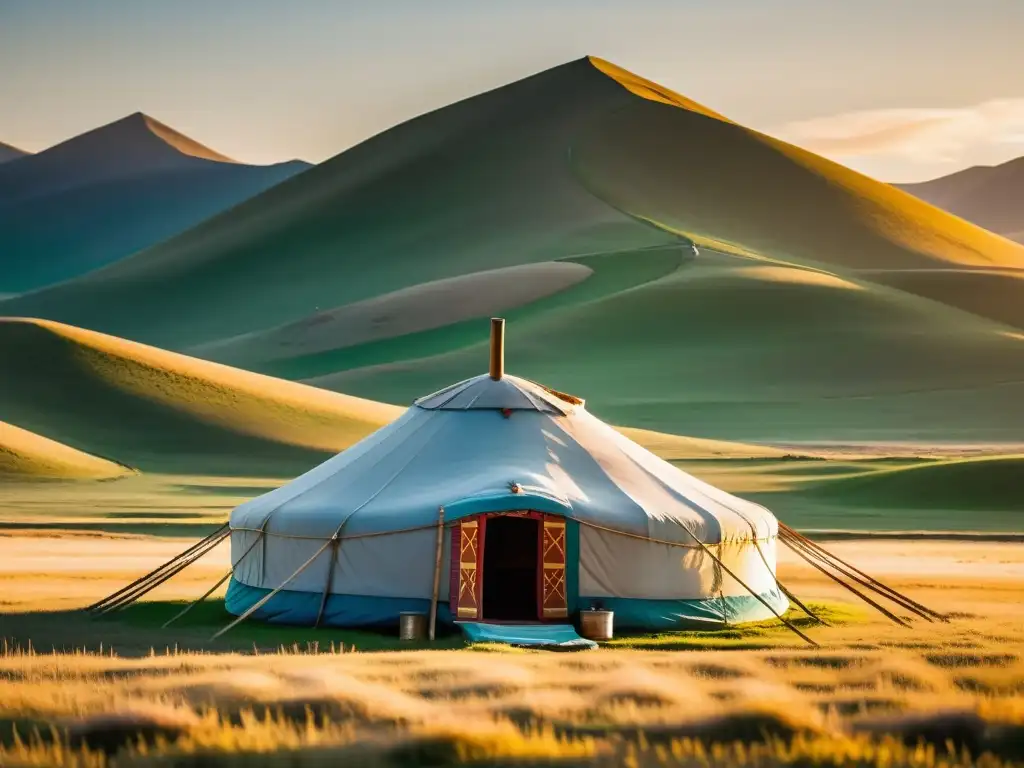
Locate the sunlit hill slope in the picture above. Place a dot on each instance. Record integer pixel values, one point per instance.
(27, 455)
(161, 411)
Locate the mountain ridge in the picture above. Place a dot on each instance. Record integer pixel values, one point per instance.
(991, 196)
(10, 152)
(115, 189)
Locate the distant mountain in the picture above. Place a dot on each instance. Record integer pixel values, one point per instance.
(7, 152)
(822, 305)
(990, 196)
(110, 192)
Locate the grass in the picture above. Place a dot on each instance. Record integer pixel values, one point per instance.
(122, 691)
(727, 350)
(756, 635)
(955, 495)
(157, 410)
(610, 273)
(983, 484)
(846, 705)
(138, 628)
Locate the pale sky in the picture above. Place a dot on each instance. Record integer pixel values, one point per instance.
(901, 89)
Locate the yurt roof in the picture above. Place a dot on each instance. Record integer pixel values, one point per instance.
(509, 393)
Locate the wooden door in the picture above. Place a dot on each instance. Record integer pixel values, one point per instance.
(466, 566)
(552, 587)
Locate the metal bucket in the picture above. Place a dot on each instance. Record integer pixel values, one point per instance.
(412, 626)
(596, 625)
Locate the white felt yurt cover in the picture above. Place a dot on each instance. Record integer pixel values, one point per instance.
(643, 531)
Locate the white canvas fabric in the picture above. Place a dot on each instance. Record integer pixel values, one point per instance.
(483, 392)
(640, 517)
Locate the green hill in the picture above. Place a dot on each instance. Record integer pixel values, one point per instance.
(969, 484)
(726, 348)
(161, 411)
(481, 184)
(822, 305)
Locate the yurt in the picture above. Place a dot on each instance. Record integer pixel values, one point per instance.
(499, 500)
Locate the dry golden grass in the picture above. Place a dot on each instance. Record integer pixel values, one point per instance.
(867, 697)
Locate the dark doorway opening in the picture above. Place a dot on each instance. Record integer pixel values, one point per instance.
(510, 569)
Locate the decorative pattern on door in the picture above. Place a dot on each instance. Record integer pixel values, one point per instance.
(465, 588)
(552, 556)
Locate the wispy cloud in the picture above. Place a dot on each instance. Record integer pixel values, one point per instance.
(915, 135)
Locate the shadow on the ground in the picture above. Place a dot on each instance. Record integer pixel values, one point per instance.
(138, 631)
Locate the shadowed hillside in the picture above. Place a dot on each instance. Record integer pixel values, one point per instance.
(990, 196)
(27, 455)
(7, 152)
(967, 484)
(825, 305)
(107, 193)
(161, 411)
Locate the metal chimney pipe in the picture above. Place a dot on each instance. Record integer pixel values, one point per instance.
(497, 348)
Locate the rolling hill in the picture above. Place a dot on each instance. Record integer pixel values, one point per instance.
(7, 152)
(990, 196)
(161, 411)
(739, 351)
(968, 484)
(821, 305)
(24, 455)
(112, 191)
